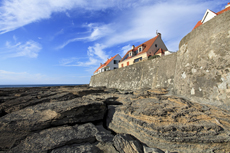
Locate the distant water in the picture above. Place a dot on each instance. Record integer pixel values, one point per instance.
(37, 85)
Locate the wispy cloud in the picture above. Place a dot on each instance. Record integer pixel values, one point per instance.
(67, 14)
(125, 49)
(95, 31)
(9, 77)
(17, 13)
(97, 50)
(95, 54)
(77, 62)
(28, 49)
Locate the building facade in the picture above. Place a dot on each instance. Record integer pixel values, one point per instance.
(110, 64)
(154, 46)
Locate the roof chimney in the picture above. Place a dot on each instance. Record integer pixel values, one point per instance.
(100, 64)
(228, 5)
(133, 47)
(158, 33)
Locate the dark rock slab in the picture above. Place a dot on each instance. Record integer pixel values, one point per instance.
(14, 99)
(57, 137)
(84, 148)
(125, 143)
(17, 125)
(103, 135)
(107, 147)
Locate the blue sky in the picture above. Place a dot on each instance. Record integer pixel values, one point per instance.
(64, 41)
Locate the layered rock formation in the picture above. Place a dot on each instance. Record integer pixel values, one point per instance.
(86, 119)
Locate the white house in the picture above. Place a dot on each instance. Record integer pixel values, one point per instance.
(110, 64)
(210, 14)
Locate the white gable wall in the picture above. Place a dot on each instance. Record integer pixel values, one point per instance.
(208, 16)
(112, 65)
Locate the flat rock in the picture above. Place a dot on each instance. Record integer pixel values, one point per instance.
(57, 137)
(84, 148)
(152, 150)
(107, 147)
(17, 125)
(14, 99)
(172, 123)
(125, 143)
(103, 135)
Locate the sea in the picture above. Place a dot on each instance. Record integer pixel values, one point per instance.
(37, 85)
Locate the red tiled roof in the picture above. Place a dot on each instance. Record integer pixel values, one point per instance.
(106, 63)
(222, 11)
(218, 13)
(160, 51)
(146, 45)
(197, 25)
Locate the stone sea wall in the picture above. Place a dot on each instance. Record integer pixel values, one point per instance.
(153, 73)
(200, 70)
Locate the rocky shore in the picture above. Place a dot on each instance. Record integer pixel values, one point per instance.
(85, 119)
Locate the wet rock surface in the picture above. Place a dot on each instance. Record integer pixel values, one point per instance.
(86, 119)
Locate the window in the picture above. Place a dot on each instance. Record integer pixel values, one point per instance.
(115, 62)
(114, 68)
(130, 54)
(127, 63)
(140, 49)
(155, 45)
(138, 59)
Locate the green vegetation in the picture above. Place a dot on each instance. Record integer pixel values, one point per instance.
(152, 57)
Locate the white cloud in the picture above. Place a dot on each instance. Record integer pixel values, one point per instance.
(95, 30)
(173, 19)
(67, 14)
(125, 49)
(8, 72)
(17, 13)
(77, 62)
(95, 53)
(29, 49)
(97, 50)
(9, 77)
(14, 78)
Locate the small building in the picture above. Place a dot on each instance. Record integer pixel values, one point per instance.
(110, 64)
(154, 46)
(210, 14)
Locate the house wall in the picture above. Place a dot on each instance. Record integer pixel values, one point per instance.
(112, 65)
(160, 44)
(199, 71)
(208, 16)
(152, 50)
(131, 60)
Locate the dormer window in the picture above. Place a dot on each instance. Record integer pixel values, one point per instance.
(140, 49)
(130, 53)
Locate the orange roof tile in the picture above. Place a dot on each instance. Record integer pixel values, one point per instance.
(218, 13)
(106, 63)
(160, 51)
(222, 11)
(146, 44)
(197, 25)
